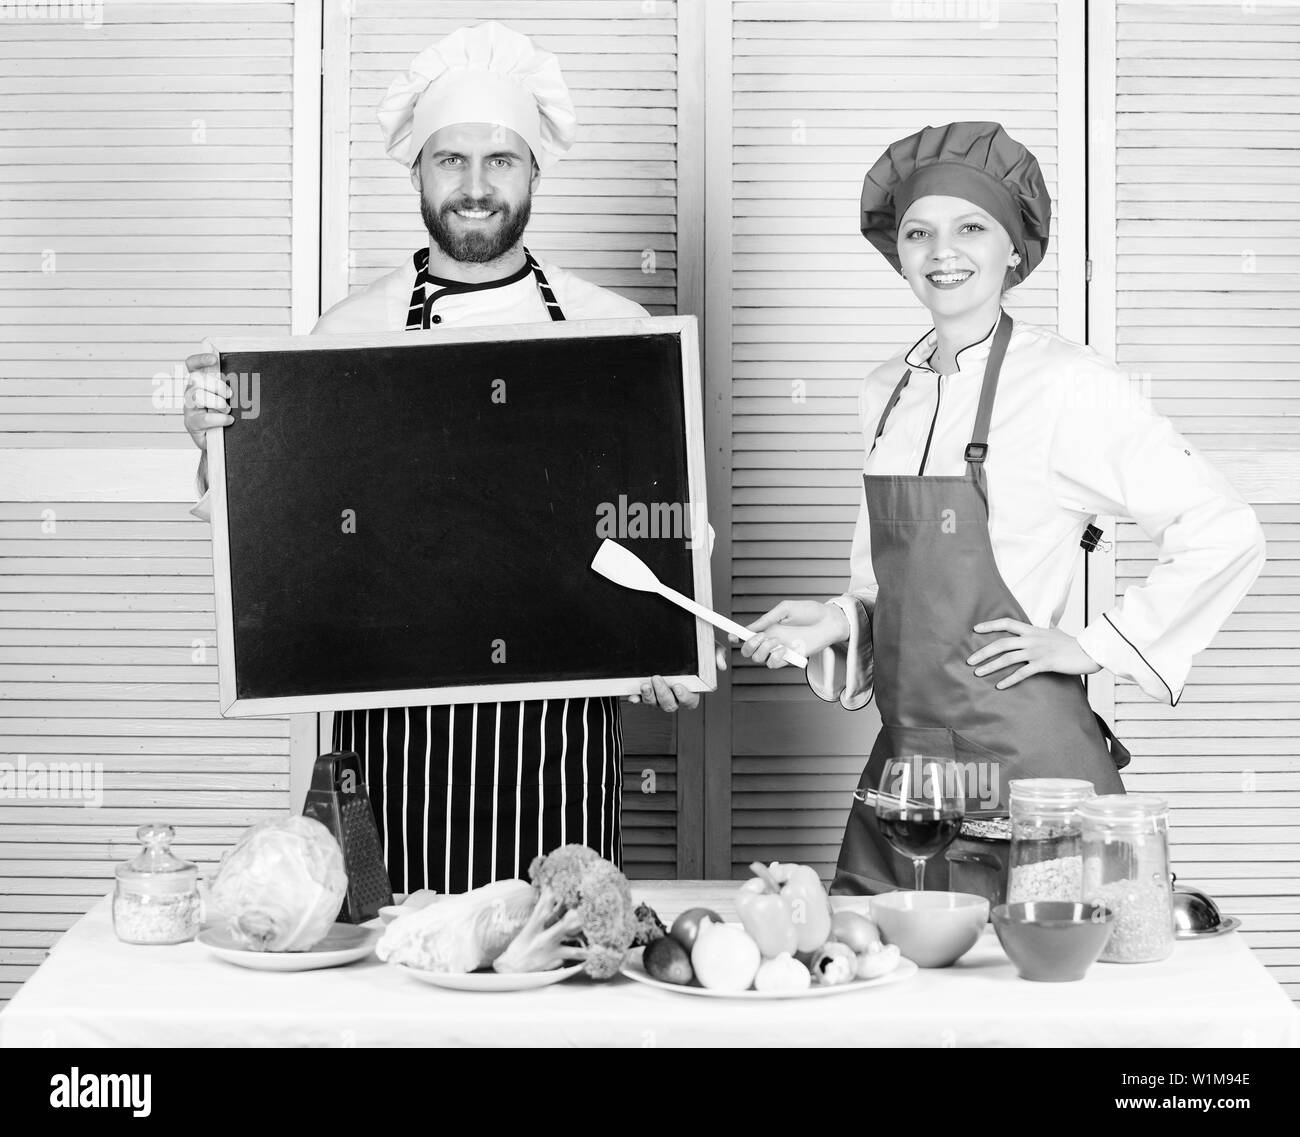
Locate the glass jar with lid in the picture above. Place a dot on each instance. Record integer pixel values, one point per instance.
(1046, 856)
(156, 900)
(1126, 868)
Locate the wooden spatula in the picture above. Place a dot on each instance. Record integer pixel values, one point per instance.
(612, 560)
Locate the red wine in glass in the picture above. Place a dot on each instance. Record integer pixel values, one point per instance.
(920, 833)
(919, 805)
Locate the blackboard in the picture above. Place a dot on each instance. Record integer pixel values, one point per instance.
(410, 518)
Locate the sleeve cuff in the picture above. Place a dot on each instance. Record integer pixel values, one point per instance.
(1116, 652)
(844, 672)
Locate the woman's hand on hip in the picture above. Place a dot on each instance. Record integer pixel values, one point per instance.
(1036, 649)
(804, 625)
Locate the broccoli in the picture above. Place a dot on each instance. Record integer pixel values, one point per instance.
(584, 911)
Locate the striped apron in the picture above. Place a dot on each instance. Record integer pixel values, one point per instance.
(468, 794)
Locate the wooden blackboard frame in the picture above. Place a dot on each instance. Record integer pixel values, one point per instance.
(682, 329)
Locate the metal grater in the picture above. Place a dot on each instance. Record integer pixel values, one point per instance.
(338, 799)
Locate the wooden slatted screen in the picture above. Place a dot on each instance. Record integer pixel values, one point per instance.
(607, 211)
(144, 203)
(820, 89)
(1207, 134)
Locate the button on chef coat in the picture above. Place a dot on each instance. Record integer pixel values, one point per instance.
(383, 305)
(1072, 437)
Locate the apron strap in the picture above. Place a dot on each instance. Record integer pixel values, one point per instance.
(421, 303)
(889, 406)
(1119, 753)
(417, 311)
(978, 448)
(544, 287)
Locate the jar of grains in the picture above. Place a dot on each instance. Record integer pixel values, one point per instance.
(156, 900)
(1046, 840)
(1126, 868)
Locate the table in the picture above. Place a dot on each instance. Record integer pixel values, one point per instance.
(95, 991)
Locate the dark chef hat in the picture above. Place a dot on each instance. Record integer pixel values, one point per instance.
(977, 161)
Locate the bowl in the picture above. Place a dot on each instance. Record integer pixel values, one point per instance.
(1053, 941)
(932, 929)
(859, 904)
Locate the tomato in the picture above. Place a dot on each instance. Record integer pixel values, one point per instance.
(687, 926)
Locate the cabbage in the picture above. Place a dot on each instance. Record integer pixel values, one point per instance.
(282, 885)
(460, 933)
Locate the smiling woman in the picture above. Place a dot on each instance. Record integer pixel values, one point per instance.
(992, 447)
(957, 258)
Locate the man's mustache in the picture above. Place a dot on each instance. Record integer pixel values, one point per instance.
(490, 205)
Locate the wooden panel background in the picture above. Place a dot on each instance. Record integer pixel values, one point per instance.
(1207, 283)
(145, 201)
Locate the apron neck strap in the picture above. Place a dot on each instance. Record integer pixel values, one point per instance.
(978, 448)
(418, 313)
(544, 287)
(889, 406)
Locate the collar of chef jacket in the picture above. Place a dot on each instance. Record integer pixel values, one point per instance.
(969, 358)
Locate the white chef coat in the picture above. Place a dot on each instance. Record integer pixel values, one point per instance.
(1071, 437)
(383, 304)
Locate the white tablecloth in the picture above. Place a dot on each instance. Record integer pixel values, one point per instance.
(95, 991)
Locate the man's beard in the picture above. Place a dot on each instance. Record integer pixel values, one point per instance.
(475, 246)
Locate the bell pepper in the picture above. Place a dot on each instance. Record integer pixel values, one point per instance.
(810, 908)
(767, 917)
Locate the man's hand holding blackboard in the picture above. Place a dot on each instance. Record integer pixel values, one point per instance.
(207, 398)
(656, 691)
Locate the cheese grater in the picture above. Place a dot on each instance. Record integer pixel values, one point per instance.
(338, 800)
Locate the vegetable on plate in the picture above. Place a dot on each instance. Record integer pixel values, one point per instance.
(783, 973)
(281, 887)
(768, 914)
(460, 933)
(583, 912)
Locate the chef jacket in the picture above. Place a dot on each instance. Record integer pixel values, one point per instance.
(1071, 437)
(515, 299)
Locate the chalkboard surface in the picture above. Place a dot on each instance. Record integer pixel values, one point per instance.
(414, 520)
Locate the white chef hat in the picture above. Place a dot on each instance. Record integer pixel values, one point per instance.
(487, 73)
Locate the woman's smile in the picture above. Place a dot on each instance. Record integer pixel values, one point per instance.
(948, 279)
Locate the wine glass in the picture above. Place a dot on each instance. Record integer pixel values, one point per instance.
(919, 806)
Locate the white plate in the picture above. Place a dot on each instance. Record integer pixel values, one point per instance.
(633, 969)
(491, 980)
(343, 943)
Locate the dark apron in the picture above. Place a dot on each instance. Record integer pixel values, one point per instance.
(465, 795)
(937, 579)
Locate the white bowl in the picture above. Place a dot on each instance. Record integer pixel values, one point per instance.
(932, 929)
(859, 904)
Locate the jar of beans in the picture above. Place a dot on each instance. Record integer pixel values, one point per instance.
(1046, 839)
(1126, 868)
(156, 900)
